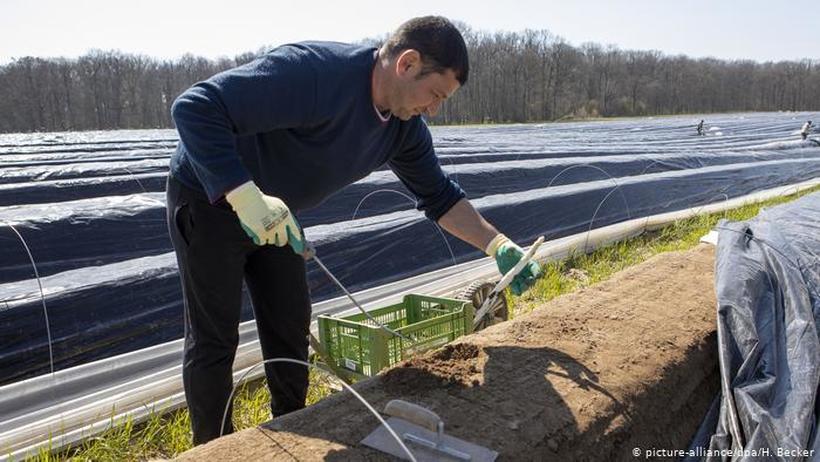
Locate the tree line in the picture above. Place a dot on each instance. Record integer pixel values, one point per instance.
(523, 76)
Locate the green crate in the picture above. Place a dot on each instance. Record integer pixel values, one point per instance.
(356, 344)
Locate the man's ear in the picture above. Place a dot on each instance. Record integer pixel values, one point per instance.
(409, 61)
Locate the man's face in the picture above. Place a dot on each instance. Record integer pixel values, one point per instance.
(421, 95)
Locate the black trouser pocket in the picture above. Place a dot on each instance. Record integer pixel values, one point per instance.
(183, 221)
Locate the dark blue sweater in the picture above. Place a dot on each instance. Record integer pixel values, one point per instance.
(300, 122)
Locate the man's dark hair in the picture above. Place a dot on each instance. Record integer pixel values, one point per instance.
(437, 40)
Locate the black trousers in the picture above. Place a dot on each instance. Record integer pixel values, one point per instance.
(214, 256)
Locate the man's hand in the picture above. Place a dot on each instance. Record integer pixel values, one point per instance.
(507, 253)
(266, 219)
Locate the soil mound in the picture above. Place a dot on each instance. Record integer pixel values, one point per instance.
(627, 363)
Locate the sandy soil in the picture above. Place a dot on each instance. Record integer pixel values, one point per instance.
(629, 362)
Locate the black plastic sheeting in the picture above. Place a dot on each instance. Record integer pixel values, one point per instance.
(767, 281)
(50, 191)
(92, 230)
(73, 235)
(100, 241)
(38, 173)
(93, 310)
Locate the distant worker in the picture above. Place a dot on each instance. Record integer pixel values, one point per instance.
(700, 127)
(804, 132)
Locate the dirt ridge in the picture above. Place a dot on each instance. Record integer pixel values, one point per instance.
(627, 363)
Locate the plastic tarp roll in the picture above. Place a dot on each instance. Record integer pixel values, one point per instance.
(80, 170)
(370, 196)
(81, 150)
(51, 191)
(388, 247)
(105, 310)
(767, 280)
(89, 232)
(80, 156)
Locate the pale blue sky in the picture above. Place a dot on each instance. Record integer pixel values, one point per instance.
(753, 29)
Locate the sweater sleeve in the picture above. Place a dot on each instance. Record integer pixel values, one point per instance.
(418, 168)
(277, 90)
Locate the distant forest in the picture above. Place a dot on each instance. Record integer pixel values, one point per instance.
(515, 77)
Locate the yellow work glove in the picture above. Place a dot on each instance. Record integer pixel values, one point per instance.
(266, 219)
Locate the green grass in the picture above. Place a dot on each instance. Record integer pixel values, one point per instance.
(165, 435)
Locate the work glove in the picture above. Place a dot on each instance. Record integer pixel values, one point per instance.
(507, 253)
(266, 219)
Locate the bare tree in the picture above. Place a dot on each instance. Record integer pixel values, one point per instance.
(528, 76)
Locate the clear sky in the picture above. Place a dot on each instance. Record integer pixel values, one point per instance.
(762, 30)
